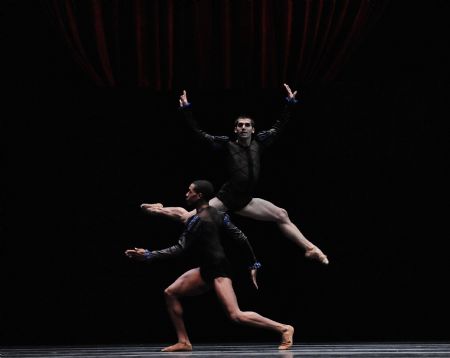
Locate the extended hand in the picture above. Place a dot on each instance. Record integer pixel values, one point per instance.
(183, 99)
(152, 208)
(136, 254)
(291, 95)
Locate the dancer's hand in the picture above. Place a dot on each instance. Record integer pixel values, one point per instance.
(154, 205)
(136, 254)
(291, 95)
(152, 208)
(183, 99)
(253, 274)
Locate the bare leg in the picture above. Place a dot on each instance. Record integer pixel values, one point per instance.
(175, 213)
(264, 210)
(225, 292)
(217, 203)
(188, 284)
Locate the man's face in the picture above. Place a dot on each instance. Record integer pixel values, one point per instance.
(244, 128)
(192, 196)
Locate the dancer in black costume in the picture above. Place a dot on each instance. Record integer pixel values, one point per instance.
(201, 238)
(243, 163)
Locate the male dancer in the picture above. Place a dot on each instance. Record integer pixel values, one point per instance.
(201, 238)
(243, 162)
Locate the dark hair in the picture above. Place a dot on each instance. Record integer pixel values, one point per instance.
(205, 187)
(244, 117)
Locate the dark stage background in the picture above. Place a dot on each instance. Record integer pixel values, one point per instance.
(361, 169)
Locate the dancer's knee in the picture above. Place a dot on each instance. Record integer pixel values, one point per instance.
(218, 204)
(281, 215)
(170, 293)
(235, 316)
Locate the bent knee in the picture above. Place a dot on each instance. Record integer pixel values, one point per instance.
(235, 316)
(170, 292)
(281, 215)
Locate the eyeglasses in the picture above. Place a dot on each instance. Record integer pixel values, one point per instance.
(240, 125)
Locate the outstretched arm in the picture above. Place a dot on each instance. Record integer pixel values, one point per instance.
(140, 254)
(175, 213)
(185, 107)
(268, 136)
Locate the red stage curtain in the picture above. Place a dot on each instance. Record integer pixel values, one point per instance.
(164, 44)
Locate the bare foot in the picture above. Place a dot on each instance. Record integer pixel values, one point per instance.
(287, 338)
(178, 347)
(314, 253)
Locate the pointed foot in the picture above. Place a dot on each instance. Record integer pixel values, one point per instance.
(315, 253)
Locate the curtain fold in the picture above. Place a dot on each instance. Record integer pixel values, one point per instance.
(100, 41)
(166, 44)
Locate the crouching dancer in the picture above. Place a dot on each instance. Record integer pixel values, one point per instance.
(201, 239)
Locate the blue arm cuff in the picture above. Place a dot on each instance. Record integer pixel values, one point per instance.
(291, 100)
(148, 255)
(255, 266)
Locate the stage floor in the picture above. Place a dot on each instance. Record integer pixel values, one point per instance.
(353, 350)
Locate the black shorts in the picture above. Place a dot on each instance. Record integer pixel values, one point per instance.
(234, 199)
(210, 272)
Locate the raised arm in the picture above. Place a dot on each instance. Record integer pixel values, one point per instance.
(290, 95)
(184, 100)
(186, 109)
(268, 136)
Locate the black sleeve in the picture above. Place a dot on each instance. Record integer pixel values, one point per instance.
(236, 234)
(267, 137)
(173, 251)
(215, 141)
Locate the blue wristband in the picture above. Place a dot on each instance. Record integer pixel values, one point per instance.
(148, 255)
(255, 266)
(291, 100)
